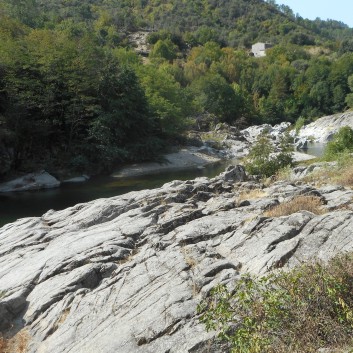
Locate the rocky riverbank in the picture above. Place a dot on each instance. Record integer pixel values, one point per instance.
(323, 129)
(125, 274)
(184, 158)
(224, 142)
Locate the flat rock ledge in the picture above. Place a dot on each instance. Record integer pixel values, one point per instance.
(125, 274)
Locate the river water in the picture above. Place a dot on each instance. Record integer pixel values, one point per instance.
(35, 203)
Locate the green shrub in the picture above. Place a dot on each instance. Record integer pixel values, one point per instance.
(299, 124)
(342, 143)
(302, 310)
(263, 161)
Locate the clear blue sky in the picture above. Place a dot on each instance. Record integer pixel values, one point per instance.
(340, 10)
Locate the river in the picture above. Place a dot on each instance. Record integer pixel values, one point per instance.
(35, 203)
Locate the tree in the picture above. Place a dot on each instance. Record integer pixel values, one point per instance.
(263, 161)
(342, 142)
(349, 97)
(214, 95)
(123, 118)
(164, 49)
(169, 102)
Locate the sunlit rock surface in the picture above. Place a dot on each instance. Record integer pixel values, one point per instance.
(125, 274)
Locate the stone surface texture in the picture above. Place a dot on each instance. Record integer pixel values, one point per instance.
(324, 128)
(125, 274)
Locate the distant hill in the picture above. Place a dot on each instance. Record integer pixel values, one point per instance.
(236, 23)
(73, 86)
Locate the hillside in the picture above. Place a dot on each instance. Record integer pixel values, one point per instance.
(231, 22)
(75, 97)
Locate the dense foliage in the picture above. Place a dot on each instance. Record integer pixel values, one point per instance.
(74, 94)
(303, 310)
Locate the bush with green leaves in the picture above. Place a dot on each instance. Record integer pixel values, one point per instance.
(303, 310)
(263, 160)
(299, 124)
(342, 143)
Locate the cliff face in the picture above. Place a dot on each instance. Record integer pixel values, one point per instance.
(125, 274)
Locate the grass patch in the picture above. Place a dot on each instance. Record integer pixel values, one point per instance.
(300, 203)
(303, 310)
(188, 257)
(345, 178)
(251, 194)
(308, 162)
(16, 344)
(341, 174)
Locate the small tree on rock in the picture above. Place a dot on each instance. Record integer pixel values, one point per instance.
(263, 160)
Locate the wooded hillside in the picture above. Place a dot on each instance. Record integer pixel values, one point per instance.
(74, 95)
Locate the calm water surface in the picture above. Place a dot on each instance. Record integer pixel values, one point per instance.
(35, 203)
(316, 149)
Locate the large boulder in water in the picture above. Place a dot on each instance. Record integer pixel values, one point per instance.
(33, 181)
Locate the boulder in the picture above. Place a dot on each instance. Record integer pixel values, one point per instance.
(79, 179)
(33, 181)
(301, 143)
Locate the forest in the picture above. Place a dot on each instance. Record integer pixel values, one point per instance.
(75, 95)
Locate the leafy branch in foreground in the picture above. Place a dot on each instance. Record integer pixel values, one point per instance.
(303, 310)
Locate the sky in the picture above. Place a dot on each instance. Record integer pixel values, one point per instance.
(340, 10)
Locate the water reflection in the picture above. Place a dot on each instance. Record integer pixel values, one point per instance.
(315, 149)
(35, 203)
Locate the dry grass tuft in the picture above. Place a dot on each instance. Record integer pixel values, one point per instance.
(341, 174)
(16, 344)
(251, 194)
(346, 177)
(300, 203)
(189, 259)
(3, 345)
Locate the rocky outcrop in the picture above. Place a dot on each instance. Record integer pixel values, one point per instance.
(303, 171)
(33, 181)
(276, 131)
(125, 274)
(139, 41)
(228, 142)
(323, 129)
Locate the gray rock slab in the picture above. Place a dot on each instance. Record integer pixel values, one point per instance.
(33, 181)
(126, 274)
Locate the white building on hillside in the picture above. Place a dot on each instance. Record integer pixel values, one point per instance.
(259, 49)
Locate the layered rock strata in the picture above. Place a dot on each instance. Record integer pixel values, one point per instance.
(125, 274)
